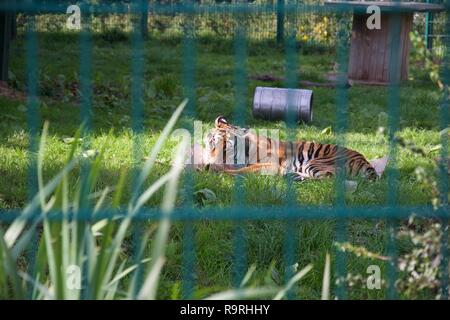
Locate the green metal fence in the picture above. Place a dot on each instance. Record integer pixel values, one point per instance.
(433, 27)
(391, 211)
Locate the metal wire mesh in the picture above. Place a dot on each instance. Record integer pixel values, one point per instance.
(241, 22)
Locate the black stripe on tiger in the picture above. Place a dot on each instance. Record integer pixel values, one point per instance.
(247, 151)
(257, 148)
(292, 155)
(235, 150)
(350, 166)
(269, 147)
(310, 150)
(326, 151)
(359, 167)
(224, 151)
(300, 156)
(316, 154)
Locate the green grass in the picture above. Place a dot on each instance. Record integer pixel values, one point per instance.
(111, 114)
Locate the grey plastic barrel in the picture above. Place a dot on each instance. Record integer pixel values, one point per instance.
(272, 103)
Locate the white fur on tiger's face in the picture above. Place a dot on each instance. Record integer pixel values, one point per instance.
(219, 148)
(223, 144)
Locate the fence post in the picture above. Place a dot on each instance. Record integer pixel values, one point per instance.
(144, 19)
(13, 25)
(5, 40)
(429, 28)
(280, 21)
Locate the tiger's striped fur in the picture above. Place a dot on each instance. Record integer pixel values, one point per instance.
(302, 159)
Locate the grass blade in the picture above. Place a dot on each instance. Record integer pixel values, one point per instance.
(292, 281)
(248, 275)
(249, 293)
(326, 279)
(158, 145)
(148, 290)
(19, 224)
(9, 267)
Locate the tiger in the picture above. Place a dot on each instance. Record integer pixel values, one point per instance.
(240, 150)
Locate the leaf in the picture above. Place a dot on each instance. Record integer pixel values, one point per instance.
(248, 275)
(123, 273)
(148, 290)
(158, 145)
(292, 269)
(326, 279)
(205, 196)
(435, 148)
(382, 119)
(327, 130)
(22, 108)
(275, 276)
(444, 132)
(292, 281)
(203, 99)
(11, 76)
(124, 119)
(351, 186)
(10, 117)
(89, 153)
(70, 140)
(250, 293)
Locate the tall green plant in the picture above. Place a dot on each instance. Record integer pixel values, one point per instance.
(76, 250)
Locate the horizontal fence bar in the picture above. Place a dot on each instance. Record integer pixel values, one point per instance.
(249, 213)
(198, 9)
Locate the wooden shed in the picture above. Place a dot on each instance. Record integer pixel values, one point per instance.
(372, 50)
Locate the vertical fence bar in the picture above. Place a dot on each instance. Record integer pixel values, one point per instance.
(144, 19)
(429, 28)
(443, 164)
(392, 170)
(188, 273)
(85, 45)
(291, 81)
(189, 85)
(33, 119)
(137, 113)
(341, 127)
(240, 57)
(280, 21)
(33, 114)
(443, 268)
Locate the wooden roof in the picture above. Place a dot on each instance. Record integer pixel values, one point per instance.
(389, 6)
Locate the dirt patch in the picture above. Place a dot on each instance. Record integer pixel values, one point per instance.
(6, 91)
(304, 83)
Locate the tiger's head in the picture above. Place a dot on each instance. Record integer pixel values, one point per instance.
(219, 142)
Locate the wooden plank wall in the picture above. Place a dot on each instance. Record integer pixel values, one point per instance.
(370, 52)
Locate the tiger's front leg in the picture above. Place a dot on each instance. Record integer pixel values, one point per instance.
(310, 173)
(257, 167)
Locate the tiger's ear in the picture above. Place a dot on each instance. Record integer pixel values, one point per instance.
(221, 122)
